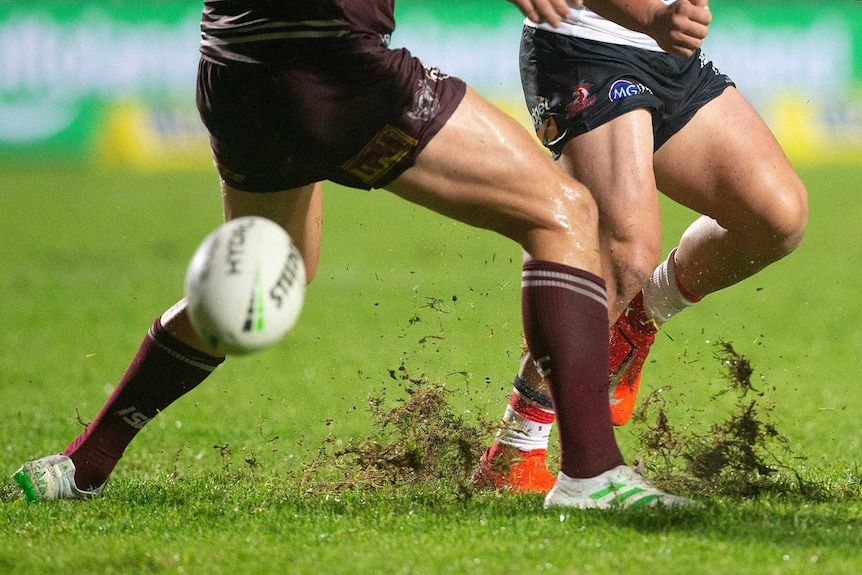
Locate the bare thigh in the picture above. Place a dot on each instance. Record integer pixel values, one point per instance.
(299, 211)
(726, 164)
(484, 169)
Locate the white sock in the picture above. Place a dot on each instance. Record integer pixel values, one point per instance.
(525, 426)
(662, 297)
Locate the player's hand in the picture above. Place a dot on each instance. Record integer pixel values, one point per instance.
(546, 11)
(680, 28)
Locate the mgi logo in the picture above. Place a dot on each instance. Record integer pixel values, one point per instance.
(625, 88)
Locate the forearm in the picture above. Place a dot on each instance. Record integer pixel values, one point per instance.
(679, 28)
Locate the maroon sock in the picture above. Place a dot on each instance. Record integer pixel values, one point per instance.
(565, 315)
(163, 370)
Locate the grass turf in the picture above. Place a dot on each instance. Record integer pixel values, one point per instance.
(215, 483)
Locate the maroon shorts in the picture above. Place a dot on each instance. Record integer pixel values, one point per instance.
(347, 110)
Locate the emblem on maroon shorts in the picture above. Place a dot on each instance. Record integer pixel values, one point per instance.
(380, 155)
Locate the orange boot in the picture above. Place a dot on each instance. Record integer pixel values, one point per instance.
(631, 338)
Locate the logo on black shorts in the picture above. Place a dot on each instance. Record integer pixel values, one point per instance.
(582, 99)
(624, 88)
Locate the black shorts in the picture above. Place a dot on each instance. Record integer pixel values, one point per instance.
(345, 109)
(572, 86)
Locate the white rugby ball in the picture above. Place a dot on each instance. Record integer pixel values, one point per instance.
(245, 286)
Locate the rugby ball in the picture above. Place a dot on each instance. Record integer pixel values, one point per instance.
(245, 286)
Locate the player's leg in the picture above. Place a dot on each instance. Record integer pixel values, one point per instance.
(483, 169)
(169, 363)
(299, 212)
(172, 360)
(630, 240)
(607, 143)
(734, 172)
(615, 161)
(630, 235)
(517, 458)
(726, 164)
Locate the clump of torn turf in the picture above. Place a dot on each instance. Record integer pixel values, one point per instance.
(422, 442)
(744, 455)
(418, 440)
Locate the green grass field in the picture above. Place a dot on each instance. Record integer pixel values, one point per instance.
(225, 482)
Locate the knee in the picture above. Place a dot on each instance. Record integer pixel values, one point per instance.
(310, 269)
(566, 221)
(798, 220)
(787, 220)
